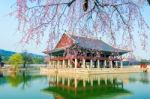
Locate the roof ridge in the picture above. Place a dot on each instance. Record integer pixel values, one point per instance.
(84, 36)
(91, 39)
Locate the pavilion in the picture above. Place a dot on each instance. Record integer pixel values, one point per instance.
(82, 52)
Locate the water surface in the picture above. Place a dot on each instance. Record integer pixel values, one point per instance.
(32, 85)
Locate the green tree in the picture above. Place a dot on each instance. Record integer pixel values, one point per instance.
(15, 60)
(0, 58)
(38, 60)
(27, 58)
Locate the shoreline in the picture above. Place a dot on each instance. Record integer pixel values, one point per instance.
(94, 71)
(47, 70)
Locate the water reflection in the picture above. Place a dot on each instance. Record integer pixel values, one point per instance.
(1, 74)
(144, 78)
(140, 77)
(14, 79)
(2, 80)
(87, 86)
(31, 85)
(20, 78)
(24, 85)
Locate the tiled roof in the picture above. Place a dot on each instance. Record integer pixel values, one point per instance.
(95, 44)
(90, 43)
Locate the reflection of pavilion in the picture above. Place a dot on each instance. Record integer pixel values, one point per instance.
(85, 86)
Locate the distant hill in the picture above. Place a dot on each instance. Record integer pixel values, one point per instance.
(6, 54)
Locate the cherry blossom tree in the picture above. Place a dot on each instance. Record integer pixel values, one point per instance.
(83, 17)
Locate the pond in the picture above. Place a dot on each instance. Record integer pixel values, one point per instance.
(32, 85)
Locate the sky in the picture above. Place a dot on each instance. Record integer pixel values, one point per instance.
(10, 37)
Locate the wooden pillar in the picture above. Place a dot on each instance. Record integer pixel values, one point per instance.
(91, 63)
(116, 63)
(49, 63)
(69, 65)
(105, 63)
(52, 64)
(76, 62)
(83, 63)
(57, 63)
(121, 64)
(98, 64)
(63, 64)
(110, 63)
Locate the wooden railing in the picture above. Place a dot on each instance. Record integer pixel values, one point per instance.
(84, 57)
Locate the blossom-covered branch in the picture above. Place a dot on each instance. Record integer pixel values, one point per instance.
(111, 18)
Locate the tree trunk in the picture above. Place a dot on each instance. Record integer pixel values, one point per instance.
(24, 65)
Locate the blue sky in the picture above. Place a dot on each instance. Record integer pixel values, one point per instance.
(10, 37)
